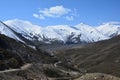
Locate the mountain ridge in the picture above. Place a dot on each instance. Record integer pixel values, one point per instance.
(62, 34)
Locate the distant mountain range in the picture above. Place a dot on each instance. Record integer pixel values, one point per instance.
(29, 33)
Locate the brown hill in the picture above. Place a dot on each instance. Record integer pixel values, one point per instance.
(66, 63)
(102, 56)
(19, 61)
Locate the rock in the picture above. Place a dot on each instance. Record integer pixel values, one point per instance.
(97, 76)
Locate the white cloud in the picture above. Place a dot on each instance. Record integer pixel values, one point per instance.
(39, 16)
(56, 12)
(36, 15)
(69, 18)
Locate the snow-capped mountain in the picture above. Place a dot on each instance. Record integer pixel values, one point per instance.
(89, 33)
(6, 30)
(109, 29)
(81, 33)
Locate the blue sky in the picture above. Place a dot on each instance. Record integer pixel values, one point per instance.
(56, 12)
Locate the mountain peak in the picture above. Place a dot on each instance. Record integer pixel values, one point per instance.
(61, 33)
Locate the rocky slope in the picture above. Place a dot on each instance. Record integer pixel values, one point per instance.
(19, 61)
(100, 57)
(97, 76)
